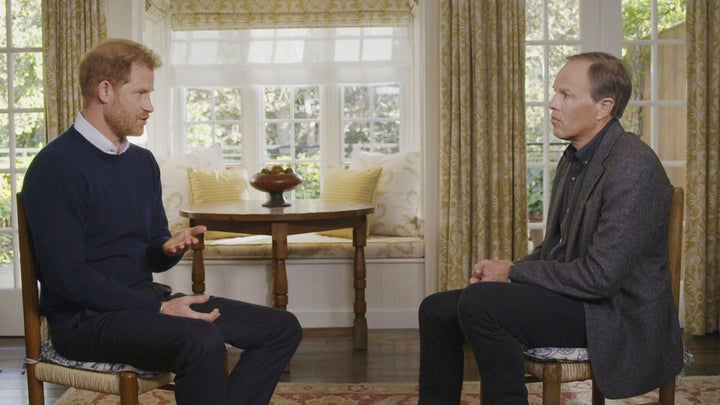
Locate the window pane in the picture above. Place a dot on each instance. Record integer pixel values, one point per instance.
(356, 101)
(4, 141)
(356, 133)
(199, 135)
(371, 118)
(534, 84)
(307, 102)
(671, 13)
(277, 140)
(3, 27)
(27, 84)
(228, 134)
(637, 58)
(637, 19)
(534, 20)
(307, 140)
(535, 194)
(557, 55)
(672, 126)
(672, 66)
(534, 133)
(310, 187)
(228, 104)
(26, 24)
(29, 137)
(278, 103)
(3, 81)
(563, 19)
(387, 101)
(387, 136)
(632, 119)
(198, 105)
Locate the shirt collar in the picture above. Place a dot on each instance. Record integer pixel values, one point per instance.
(585, 154)
(97, 139)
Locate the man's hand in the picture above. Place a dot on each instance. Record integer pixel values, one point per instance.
(491, 270)
(180, 306)
(182, 241)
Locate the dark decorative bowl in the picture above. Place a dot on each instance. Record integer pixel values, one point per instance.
(275, 185)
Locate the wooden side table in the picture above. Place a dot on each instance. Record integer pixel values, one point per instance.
(301, 216)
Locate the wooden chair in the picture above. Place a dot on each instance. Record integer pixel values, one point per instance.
(126, 384)
(552, 373)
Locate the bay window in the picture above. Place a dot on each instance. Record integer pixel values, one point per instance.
(303, 97)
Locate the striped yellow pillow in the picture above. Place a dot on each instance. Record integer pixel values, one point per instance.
(358, 186)
(222, 186)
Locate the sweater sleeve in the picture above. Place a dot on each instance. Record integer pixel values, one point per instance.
(54, 194)
(159, 228)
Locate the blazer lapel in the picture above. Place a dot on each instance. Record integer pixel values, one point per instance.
(553, 222)
(595, 170)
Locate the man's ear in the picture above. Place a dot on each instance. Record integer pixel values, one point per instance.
(105, 92)
(604, 108)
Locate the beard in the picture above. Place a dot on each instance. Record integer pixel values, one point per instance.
(123, 123)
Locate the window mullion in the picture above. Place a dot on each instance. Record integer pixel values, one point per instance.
(331, 132)
(252, 129)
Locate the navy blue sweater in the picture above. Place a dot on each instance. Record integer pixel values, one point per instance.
(97, 225)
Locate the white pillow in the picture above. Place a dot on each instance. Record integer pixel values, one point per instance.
(175, 184)
(397, 199)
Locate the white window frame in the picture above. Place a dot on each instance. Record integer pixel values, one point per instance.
(13, 171)
(600, 24)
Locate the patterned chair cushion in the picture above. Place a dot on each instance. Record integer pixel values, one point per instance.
(49, 355)
(560, 354)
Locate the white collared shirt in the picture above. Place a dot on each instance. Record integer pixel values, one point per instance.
(97, 139)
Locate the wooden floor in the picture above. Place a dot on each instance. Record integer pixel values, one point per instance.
(327, 356)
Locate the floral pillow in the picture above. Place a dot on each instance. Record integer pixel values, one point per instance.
(397, 199)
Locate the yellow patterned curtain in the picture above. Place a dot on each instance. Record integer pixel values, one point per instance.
(70, 28)
(248, 14)
(482, 127)
(702, 246)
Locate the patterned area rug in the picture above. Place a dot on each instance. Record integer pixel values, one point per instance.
(690, 390)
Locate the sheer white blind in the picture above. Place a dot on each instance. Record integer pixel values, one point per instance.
(291, 56)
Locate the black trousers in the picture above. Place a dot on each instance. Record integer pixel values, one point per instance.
(497, 320)
(193, 349)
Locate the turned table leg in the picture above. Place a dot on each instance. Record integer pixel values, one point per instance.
(279, 255)
(360, 329)
(198, 266)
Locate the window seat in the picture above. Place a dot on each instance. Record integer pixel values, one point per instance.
(313, 246)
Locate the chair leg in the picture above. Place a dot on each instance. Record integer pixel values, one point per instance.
(36, 393)
(129, 389)
(667, 392)
(597, 397)
(552, 377)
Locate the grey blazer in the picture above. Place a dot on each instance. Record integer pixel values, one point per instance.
(616, 263)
